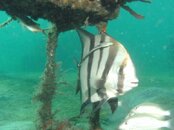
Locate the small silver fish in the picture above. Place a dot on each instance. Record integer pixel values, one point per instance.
(29, 24)
(155, 118)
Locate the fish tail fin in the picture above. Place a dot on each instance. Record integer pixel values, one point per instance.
(171, 125)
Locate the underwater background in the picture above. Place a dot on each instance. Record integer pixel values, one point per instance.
(150, 43)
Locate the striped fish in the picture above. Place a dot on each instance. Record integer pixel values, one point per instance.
(106, 70)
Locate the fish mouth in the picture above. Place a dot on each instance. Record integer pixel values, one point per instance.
(134, 82)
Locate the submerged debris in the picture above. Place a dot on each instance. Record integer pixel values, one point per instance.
(67, 14)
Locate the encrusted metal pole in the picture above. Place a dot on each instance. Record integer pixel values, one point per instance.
(48, 86)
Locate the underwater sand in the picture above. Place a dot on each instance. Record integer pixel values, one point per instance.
(18, 110)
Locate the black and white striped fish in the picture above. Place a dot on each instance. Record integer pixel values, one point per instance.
(106, 70)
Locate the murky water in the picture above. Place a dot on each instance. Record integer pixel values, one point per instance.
(150, 43)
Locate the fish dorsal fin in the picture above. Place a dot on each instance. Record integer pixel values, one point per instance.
(85, 36)
(87, 41)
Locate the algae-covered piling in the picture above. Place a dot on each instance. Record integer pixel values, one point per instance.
(48, 86)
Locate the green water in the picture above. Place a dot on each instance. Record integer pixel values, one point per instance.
(150, 43)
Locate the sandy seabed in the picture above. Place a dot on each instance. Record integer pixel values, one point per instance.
(150, 106)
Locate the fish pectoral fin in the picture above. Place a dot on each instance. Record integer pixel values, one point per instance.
(113, 102)
(132, 12)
